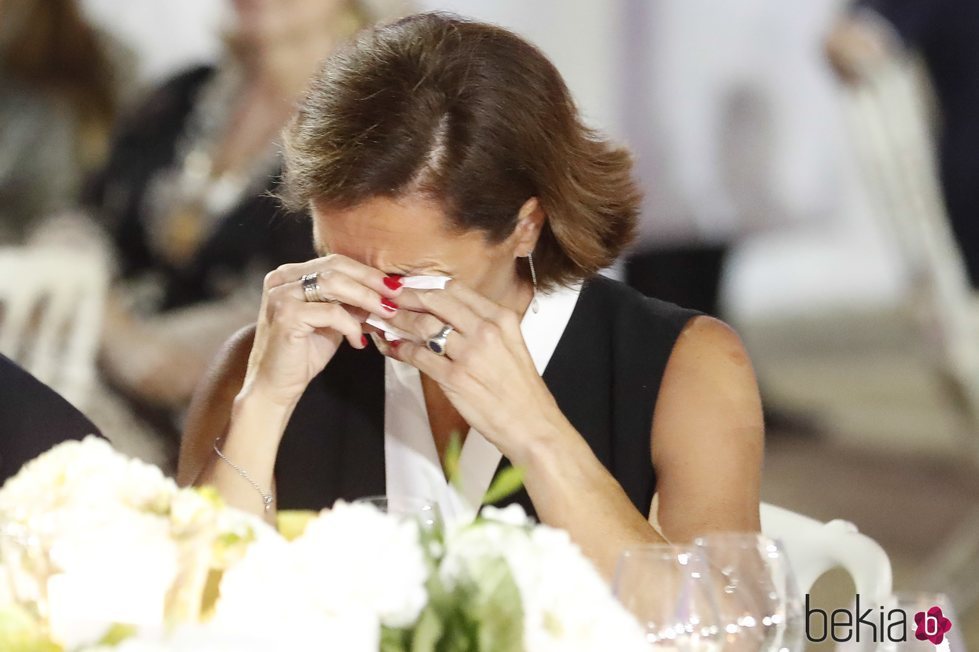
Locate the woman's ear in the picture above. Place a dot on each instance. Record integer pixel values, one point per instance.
(530, 221)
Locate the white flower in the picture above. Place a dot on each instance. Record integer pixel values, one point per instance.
(512, 514)
(352, 565)
(95, 537)
(110, 565)
(194, 509)
(364, 559)
(87, 472)
(259, 636)
(566, 604)
(267, 584)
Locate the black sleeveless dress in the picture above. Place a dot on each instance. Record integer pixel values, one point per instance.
(605, 375)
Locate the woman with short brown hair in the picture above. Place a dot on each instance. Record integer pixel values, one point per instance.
(437, 146)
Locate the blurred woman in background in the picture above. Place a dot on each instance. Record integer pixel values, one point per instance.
(58, 99)
(185, 197)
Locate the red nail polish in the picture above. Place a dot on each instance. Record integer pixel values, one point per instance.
(394, 344)
(393, 282)
(363, 340)
(390, 305)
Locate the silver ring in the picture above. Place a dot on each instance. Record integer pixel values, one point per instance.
(311, 287)
(436, 343)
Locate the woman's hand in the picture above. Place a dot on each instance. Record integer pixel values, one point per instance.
(857, 45)
(487, 372)
(295, 339)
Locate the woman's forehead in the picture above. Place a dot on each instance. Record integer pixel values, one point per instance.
(412, 234)
(379, 222)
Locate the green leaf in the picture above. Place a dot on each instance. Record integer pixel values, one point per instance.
(117, 634)
(497, 609)
(394, 640)
(457, 632)
(291, 523)
(21, 632)
(428, 631)
(211, 495)
(507, 482)
(452, 454)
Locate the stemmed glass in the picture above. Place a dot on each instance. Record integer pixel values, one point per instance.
(668, 589)
(758, 600)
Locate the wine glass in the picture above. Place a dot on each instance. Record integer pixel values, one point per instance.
(425, 511)
(758, 600)
(668, 590)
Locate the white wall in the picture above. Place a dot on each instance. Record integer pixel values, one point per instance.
(165, 35)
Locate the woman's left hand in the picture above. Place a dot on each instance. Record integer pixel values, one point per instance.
(487, 372)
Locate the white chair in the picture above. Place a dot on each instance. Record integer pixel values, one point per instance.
(52, 300)
(892, 134)
(814, 547)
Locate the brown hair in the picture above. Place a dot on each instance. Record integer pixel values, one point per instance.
(49, 46)
(474, 117)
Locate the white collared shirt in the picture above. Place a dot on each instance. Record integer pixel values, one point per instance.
(411, 461)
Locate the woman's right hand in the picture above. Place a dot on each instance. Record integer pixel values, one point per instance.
(295, 339)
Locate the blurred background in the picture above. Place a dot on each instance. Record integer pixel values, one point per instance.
(811, 172)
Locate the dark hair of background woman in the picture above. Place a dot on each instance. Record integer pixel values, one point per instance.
(473, 117)
(48, 45)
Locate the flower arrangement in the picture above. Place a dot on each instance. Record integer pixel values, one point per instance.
(103, 553)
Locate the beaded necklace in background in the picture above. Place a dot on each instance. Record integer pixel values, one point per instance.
(186, 202)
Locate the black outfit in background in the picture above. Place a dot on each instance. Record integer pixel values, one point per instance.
(687, 276)
(255, 233)
(946, 32)
(254, 237)
(33, 418)
(605, 375)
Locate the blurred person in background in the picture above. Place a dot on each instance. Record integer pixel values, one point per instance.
(59, 94)
(186, 198)
(946, 34)
(731, 111)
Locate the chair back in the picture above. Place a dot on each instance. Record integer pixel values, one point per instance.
(52, 300)
(892, 132)
(814, 547)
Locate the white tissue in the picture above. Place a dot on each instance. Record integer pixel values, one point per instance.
(425, 282)
(416, 283)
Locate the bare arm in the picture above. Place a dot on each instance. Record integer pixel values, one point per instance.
(707, 443)
(251, 391)
(210, 408)
(707, 428)
(708, 435)
(572, 489)
(162, 359)
(706, 432)
(249, 430)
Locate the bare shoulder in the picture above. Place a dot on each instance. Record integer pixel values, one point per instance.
(708, 434)
(709, 384)
(210, 407)
(708, 338)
